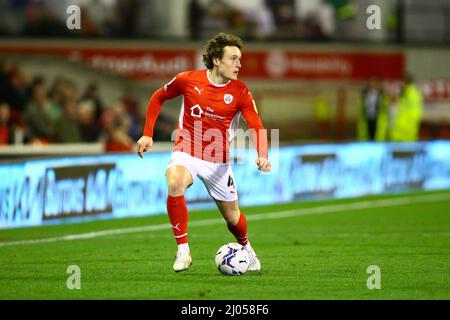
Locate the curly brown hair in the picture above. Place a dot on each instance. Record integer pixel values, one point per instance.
(214, 47)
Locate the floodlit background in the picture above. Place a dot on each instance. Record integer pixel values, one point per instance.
(76, 77)
(306, 63)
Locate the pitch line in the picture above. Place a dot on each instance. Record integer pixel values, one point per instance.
(367, 204)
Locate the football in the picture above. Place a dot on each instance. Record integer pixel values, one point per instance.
(232, 259)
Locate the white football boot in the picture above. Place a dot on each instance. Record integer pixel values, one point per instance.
(182, 261)
(254, 264)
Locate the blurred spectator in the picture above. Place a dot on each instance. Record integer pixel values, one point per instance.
(251, 19)
(70, 90)
(196, 15)
(61, 115)
(374, 113)
(258, 18)
(322, 113)
(118, 141)
(121, 116)
(137, 121)
(220, 17)
(90, 129)
(67, 128)
(89, 28)
(6, 126)
(37, 115)
(41, 20)
(58, 94)
(128, 12)
(311, 29)
(12, 17)
(29, 91)
(163, 128)
(92, 94)
(406, 124)
(13, 89)
(283, 12)
(118, 18)
(316, 19)
(115, 124)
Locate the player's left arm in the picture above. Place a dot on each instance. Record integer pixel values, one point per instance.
(259, 133)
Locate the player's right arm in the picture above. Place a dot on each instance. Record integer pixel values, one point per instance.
(172, 89)
(259, 135)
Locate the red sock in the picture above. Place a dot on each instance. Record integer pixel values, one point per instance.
(178, 216)
(240, 230)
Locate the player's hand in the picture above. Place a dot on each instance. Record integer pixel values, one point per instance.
(263, 164)
(143, 145)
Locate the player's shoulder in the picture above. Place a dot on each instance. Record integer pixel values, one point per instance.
(240, 90)
(239, 85)
(191, 74)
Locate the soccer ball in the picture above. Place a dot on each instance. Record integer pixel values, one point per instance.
(232, 259)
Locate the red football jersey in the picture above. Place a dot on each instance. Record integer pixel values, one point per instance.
(209, 115)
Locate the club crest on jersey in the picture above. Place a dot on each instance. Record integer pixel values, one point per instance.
(227, 98)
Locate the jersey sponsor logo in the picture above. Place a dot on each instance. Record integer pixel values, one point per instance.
(227, 98)
(199, 90)
(196, 111)
(209, 113)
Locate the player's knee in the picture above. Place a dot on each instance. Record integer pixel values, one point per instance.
(175, 187)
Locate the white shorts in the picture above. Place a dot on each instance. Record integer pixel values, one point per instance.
(217, 177)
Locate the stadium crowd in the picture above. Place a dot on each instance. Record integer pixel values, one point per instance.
(35, 110)
(251, 19)
(38, 112)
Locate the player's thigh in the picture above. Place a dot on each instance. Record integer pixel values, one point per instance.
(230, 211)
(178, 179)
(218, 180)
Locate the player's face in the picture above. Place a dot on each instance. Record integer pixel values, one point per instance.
(230, 63)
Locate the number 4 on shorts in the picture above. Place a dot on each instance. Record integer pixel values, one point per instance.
(230, 182)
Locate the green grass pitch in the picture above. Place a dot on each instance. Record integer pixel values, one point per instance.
(308, 250)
